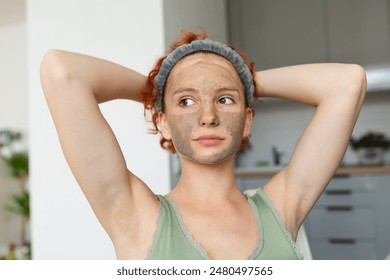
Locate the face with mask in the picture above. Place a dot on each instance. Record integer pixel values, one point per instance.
(205, 114)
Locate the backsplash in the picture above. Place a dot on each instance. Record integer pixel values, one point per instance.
(279, 124)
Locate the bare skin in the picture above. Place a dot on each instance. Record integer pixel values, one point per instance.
(205, 117)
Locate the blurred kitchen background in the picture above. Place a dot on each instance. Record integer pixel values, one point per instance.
(350, 221)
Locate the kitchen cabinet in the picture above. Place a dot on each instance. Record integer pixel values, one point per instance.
(358, 31)
(278, 33)
(351, 219)
(381, 196)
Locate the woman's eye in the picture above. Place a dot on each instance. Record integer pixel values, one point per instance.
(186, 102)
(225, 100)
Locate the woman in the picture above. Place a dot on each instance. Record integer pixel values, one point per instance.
(200, 98)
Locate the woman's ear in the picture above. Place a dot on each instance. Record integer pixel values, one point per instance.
(248, 122)
(164, 126)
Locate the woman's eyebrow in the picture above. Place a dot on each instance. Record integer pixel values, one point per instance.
(223, 89)
(185, 89)
(193, 90)
(227, 89)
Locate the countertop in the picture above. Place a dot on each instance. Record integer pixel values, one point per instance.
(342, 171)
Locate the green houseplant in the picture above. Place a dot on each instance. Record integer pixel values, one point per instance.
(18, 164)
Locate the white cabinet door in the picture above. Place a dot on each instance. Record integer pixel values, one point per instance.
(359, 250)
(381, 194)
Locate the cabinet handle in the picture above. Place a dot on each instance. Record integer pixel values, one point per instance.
(342, 240)
(339, 208)
(338, 192)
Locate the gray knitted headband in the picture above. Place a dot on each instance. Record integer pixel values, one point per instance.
(209, 46)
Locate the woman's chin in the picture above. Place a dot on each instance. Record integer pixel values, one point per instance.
(210, 158)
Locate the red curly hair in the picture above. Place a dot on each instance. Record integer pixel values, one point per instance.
(150, 91)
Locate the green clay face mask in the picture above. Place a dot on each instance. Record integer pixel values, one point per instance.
(230, 129)
(205, 109)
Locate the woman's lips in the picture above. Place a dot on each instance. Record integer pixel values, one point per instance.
(209, 140)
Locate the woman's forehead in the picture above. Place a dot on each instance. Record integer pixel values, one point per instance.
(204, 70)
(205, 57)
(202, 62)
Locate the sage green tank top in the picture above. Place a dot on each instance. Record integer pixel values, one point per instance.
(172, 241)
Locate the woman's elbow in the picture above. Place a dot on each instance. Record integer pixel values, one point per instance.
(356, 84)
(358, 80)
(53, 69)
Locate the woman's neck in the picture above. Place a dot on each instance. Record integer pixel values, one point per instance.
(204, 182)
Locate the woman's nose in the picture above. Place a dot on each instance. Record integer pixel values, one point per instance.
(208, 115)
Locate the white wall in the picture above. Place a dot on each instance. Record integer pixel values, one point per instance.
(13, 102)
(127, 32)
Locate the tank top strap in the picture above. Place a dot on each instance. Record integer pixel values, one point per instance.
(171, 240)
(277, 240)
(159, 225)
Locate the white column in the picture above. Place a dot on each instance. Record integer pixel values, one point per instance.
(129, 33)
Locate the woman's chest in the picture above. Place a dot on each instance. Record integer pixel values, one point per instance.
(223, 235)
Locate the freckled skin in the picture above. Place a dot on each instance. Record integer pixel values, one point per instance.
(205, 74)
(181, 136)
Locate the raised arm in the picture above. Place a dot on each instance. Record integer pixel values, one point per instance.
(337, 91)
(74, 85)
